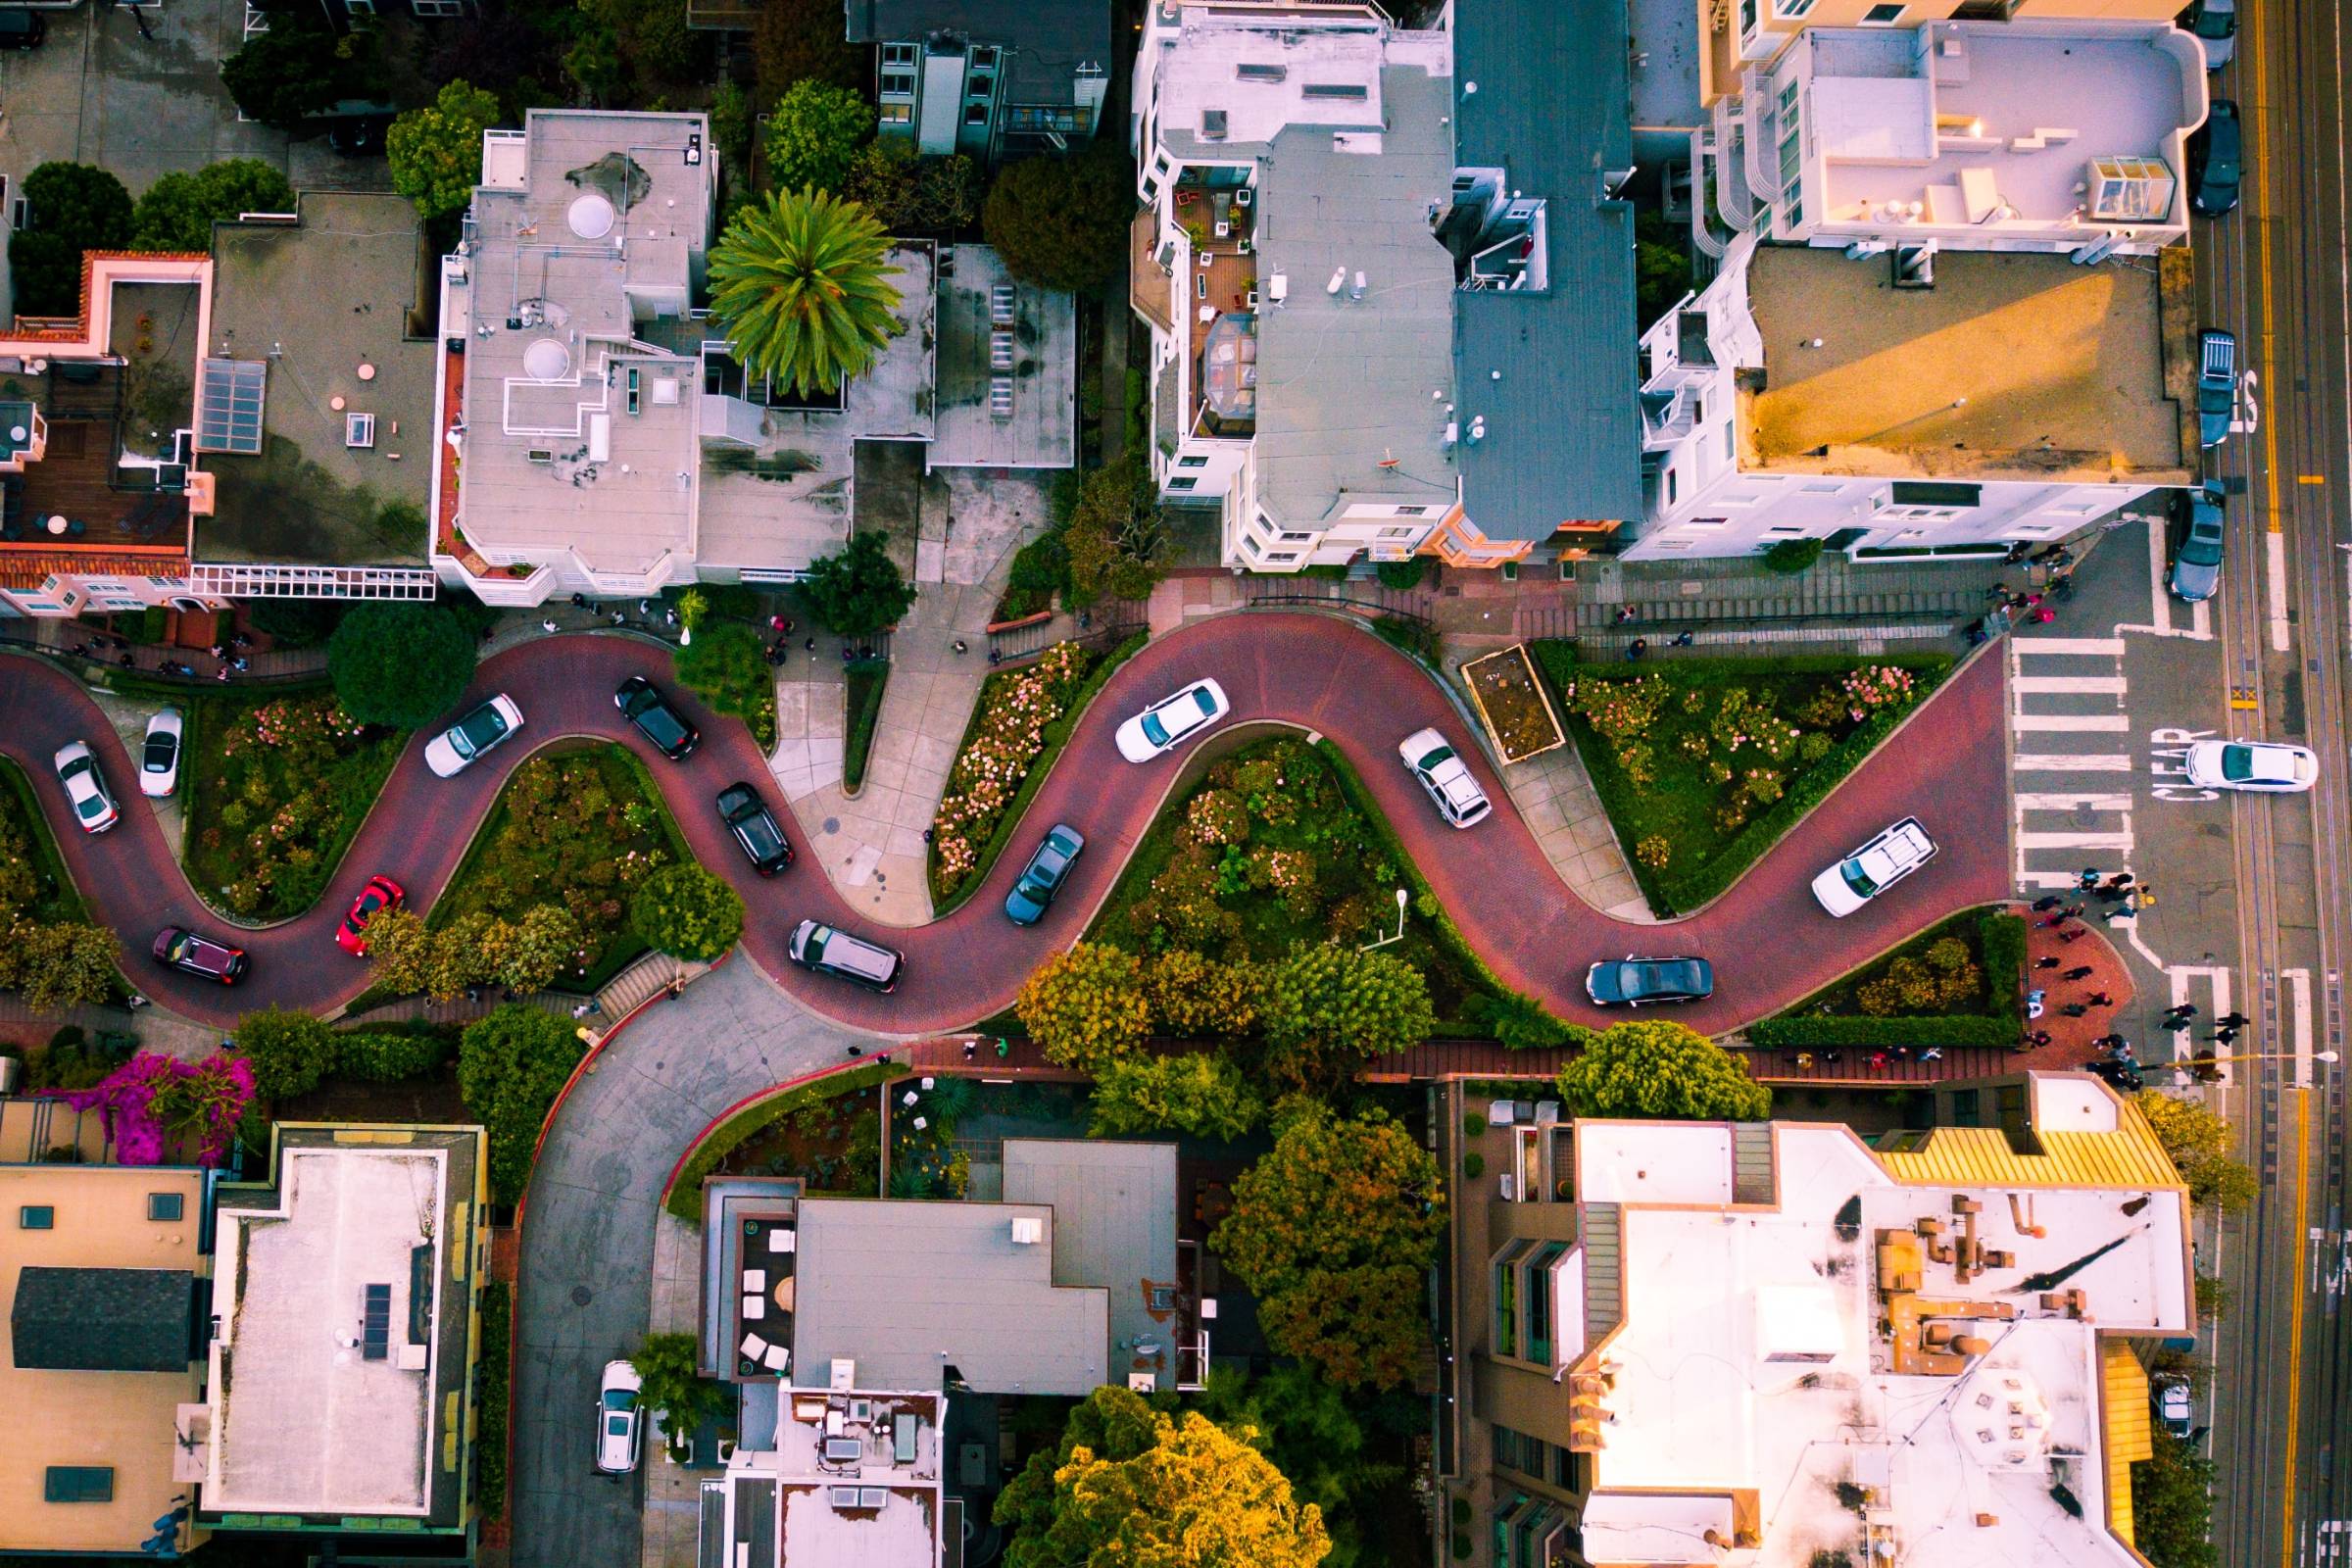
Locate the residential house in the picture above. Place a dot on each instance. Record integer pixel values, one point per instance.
(105, 1285)
(1903, 412)
(1713, 1343)
(597, 437)
(993, 79)
(345, 1335)
(840, 1475)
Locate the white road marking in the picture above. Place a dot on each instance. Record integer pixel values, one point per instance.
(2277, 542)
(2105, 685)
(2075, 841)
(2161, 600)
(2073, 802)
(2298, 986)
(2073, 762)
(2086, 646)
(2024, 723)
(2187, 1042)
(2048, 879)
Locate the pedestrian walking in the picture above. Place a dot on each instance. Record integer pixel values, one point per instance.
(1637, 648)
(810, 646)
(2049, 961)
(1683, 640)
(2223, 1037)
(2080, 971)
(2074, 1009)
(217, 649)
(620, 617)
(2043, 616)
(547, 625)
(134, 999)
(240, 664)
(959, 646)
(2046, 902)
(2181, 1010)
(2122, 911)
(2054, 919)
(221, 674)
(775, 623)
(1625, 612)
(2233, 1020)
(579, 600)
(2076, 935)
(2099, 999)
(2176, 1025)
(1878, 1061)
(2073, 911)
(2111, 893)
(2087, 878)
(2121, 879)
(1932, 1054)
(1804, 1061)
(857, 1051)
(971, 1051)
(2041, 1037)
(580, 1011)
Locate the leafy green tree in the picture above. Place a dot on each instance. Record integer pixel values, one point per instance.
(651, 36)
(1192, 995)
(179, 211)
(1317, 1434)
(814, 134)
(1323, 1009)
(1117, 532)
(467, 952)
(726, 666)
(798, 286)
(1086, 1005)
(1330, 1230)
(687, 913)
(512, 1064)
(594, 63)
(800, 40)
(1200, 1093)
(290, 1052)
(1062, 221)
(1131, 1486)
(731, 124)
(856, 591)
(1659, 1069)
(436, 152)
(2199, 1144)
(399, 663)
(402, 950)
(1661, 267)
(73, 208)
(57, 965)
(283, 77)
(666, 1362)
(2172, 1504)
(913, 195)
(544, 942)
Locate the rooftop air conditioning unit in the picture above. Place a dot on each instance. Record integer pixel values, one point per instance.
(1028, 1232)
(844, 1374)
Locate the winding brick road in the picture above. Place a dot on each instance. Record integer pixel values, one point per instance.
(1770, 943)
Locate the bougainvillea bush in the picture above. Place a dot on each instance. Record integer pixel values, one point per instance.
(275, 787)
(159, 1109)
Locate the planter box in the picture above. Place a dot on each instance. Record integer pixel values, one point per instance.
(1512, 705)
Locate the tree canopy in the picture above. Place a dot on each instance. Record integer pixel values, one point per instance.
(399, 663)
(2200, 1144)
(1086, 1005)
(1660, 1069)
(436, 152)
(669, 1381)
(1331, 1231)
(1132, 1486)
(911, 195)
(800, 40)
(2172, 1504)
(799, 286)
(687, 913)
(179, 211)
(1202, 1093)
(512, 1064)
(858, 590)
(814, 134)
(290, 1052)
(71, 208)
(1061, 221)
(296, 69)
(1115, 533)
(1326, 1007)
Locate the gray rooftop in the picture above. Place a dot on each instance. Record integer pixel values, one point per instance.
(1041, 431)
(102, 1319)
(1563, 436)
(1114, 1222)
(1050, 38)
(905, 1289)
(1343, 383)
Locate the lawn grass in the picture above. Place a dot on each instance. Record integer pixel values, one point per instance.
(1707, 830)
(868, 680)
(57, 901)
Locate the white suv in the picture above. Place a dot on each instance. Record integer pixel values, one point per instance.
(1445, 776)
(1874, 867)
(619, 1422)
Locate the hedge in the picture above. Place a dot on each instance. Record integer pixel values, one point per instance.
(2002, 950)
(685, 1196)
(384, 1059)
(1055, 735)
(490, 1401)
(868, 680)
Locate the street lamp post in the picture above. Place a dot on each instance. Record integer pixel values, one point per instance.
(1403, 900)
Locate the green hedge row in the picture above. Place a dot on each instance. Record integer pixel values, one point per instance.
(1055, 735)
(868, 678)
(490, 1402)
(387, 1059)
(686, 1191)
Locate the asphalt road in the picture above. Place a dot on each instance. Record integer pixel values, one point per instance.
(2275, 272)
(1770, 943)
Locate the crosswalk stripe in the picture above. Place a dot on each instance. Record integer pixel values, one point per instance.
(2073, 802)
(2049, 879)
(2075, 841)
(2112, 647)
(2073, 762)
(2063, 722)
(2108, 685)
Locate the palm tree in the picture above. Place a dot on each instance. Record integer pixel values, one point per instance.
(797, 284)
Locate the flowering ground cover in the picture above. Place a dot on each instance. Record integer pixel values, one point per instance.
(159, 1109)
(1703, 764)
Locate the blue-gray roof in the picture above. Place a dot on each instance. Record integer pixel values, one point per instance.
(1563, 434)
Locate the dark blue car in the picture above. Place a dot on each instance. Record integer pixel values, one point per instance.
(1044, 875)
(1641, 982)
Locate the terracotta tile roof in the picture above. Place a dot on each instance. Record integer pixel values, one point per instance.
(21, 570)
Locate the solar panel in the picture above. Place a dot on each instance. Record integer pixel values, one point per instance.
(229, 404)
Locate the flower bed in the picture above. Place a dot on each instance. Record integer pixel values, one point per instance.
(159, 1107)
(1023, 717)
(275, 787)
(1703, 764)
(1512, 704)
(1957, 983)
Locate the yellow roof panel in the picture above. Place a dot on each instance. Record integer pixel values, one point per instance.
(2124, 1426)
(1981, 1156)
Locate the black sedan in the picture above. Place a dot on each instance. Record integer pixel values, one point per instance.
(754, 829)
(2216, 160)
(642, 703)
(1044, 875)
(183, 950)
(1645, 982)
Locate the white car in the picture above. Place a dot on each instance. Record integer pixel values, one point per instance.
(1874, 867)
(1172, 721)
(2266, 765)
(159, 759)
(1445, 776)
(85, 788)
(619, 1423)
(455, 749)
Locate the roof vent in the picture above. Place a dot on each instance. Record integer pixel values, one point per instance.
(590, 215)
(1028, 1232)
(844, 1373)
(1248, 72)
(1212, 124)
(547, 360)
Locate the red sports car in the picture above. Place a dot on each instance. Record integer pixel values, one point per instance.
(381, 893)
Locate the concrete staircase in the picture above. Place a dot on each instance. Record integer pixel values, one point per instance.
(1836, 602)
(639, 983)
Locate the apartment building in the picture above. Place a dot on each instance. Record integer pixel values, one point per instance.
(993, 79)
(597, 436)
(846, 1476)
(1374, 262)
(1909, 409)
(1772, 1343)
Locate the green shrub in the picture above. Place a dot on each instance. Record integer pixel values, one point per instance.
(687, 913)
(490, 1401)
(868, 680)
(1416, 638)
(1405, 573)
(1474, 1166)
(512, 1064)
(726, 666)
(685, 1195)
(1792, 556)
(1790, 1034)
(2001, 940)
(401, 664)
(1474, 1123)
(383, 1058)
(290, 1052)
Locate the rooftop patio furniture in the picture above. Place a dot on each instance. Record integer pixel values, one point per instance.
(778, 1359)
(784, 1294)
(754, 1308)
(752, 1348)
(782, 1241)
(754, 1279)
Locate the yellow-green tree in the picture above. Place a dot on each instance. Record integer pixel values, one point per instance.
(1086, 1006)
(1202, 1093)
(1132, 1487)
(1192, 994)
(2199, 1142)
(1661, 1071)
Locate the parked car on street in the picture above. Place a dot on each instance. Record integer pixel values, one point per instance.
(158, 757)
(1172, 721)
(837, 953)
(2174, 1408)
(2217, 385)
(1874, 867)
(2215, 160)
(178, 948)
(1044, 875)
(2215, 25)
(380, 893)
(1645, 982)
(2198, 559)
(85, 788)
(456, 747)
(619, 1422)
(2271, 767)
(1445, 776)
(754, 829)
(642, 703)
